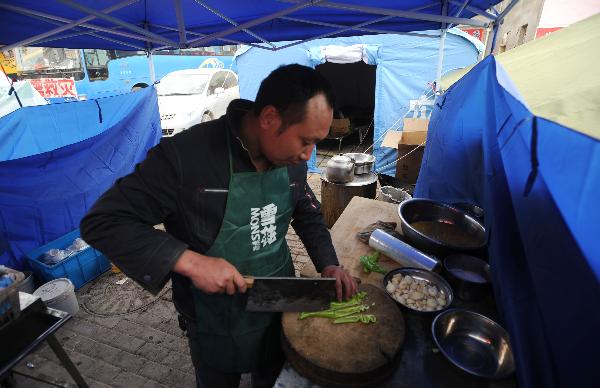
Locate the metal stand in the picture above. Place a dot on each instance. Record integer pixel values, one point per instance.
(36, 324)
(66, 361)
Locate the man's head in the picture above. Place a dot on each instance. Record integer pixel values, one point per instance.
(294, 108)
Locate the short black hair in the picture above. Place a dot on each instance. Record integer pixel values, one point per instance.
(288, 88)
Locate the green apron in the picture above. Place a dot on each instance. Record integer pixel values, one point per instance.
(252, 238)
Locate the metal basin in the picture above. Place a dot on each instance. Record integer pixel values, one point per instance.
(421, 274)
(473, 343)
(393, 194)
(469, 276)
(363, 163)
(440, 228)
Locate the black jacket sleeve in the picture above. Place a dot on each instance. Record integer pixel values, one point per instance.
(310, 226)
(121, 223)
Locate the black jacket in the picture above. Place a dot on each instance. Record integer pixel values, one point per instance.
(167, 188)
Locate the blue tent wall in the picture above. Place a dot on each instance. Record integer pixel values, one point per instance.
(43, 195)
(404, 66)
(535, 180)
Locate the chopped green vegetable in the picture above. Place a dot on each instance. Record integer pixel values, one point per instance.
(337, 313)
(370, 263)
(363, 318)
(356, 299)
(350, 309)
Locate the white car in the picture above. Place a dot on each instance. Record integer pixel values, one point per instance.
(189, 97)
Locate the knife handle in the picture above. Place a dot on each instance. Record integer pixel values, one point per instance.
(249, 281)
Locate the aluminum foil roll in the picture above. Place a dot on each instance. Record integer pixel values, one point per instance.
(401, 252)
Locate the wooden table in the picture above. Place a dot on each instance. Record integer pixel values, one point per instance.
(360, 213)
(421, 363)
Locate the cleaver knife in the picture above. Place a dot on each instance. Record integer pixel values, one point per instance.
(282, 294)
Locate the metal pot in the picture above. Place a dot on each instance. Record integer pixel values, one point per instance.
(340, 169)
(418, 210)
(363, 163)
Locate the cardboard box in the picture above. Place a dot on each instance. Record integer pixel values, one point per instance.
(339, 127)
(410, 154)
(413, 125)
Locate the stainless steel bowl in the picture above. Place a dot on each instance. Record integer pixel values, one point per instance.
(473, 343)
(421, 274)
(469, 276)
(420, 210)
(363, 163)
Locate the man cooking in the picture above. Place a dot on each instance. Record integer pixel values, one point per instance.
(226, 191)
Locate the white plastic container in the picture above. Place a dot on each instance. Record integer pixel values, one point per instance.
(59, 294)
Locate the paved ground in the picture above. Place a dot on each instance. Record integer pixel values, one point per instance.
(125, 337)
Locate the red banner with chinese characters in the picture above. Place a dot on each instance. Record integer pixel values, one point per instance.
(55, 87)
(545, 31)
(478, 33)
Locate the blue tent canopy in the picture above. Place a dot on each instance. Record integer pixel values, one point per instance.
(58, 159)
(155, 24)
(404, 66)
(484, 146)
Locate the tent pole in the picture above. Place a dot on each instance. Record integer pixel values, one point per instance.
(151, 67)
(438, 78)
(440, 59)
(149, 56)
(490, 48)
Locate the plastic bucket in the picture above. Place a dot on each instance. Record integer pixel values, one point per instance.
(59, 294)
(393, 194)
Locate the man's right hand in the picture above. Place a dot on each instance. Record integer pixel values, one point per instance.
(212, 275)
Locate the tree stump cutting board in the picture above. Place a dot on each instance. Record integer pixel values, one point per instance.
(350, 354)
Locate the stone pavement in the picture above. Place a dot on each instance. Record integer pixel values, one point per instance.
(126, 337)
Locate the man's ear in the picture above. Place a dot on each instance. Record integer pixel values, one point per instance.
(270, 119)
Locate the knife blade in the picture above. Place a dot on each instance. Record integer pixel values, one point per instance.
(283, 294)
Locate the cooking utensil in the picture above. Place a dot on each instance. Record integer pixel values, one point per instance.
(428, 276)
(468, 275)
(471, 209)
(340, 169)
(473, 343)
(439, 228)
(277, 294)
(363, 163)
(401, 252)
(393, 194)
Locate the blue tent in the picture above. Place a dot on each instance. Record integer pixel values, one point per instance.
(56, 160)
(405, 64)
(538, 183)
(156, 24)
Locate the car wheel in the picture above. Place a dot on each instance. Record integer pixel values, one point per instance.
(206, 117)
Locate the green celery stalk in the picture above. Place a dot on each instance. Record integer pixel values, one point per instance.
(363, 318)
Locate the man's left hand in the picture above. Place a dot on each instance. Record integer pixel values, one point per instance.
(345, 284)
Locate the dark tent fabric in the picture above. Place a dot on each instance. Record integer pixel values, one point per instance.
(159, 17)
(45, 195)
(536, 183)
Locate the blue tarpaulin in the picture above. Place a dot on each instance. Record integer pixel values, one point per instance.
(58, 159)
(277, 20)
(405, 64)
(534, 179)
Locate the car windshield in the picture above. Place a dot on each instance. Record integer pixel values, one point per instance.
(182, 84)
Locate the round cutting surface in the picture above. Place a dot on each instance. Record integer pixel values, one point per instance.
(331, 353)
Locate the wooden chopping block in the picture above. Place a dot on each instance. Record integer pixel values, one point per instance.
(360, 213)
(346, 355)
